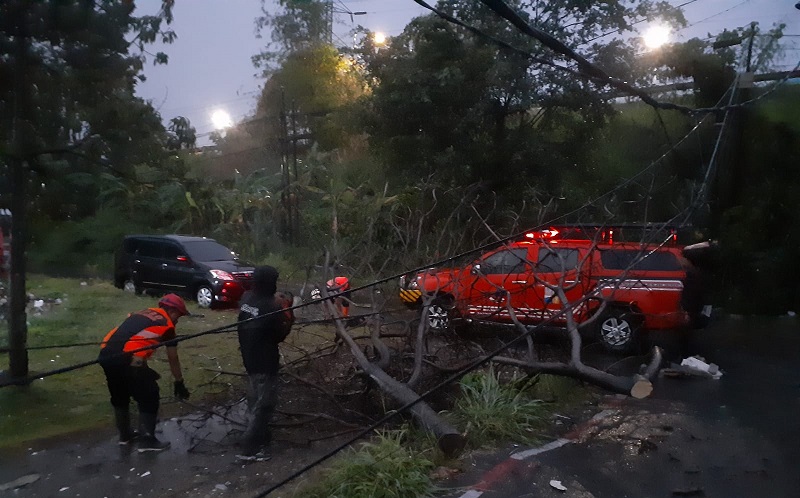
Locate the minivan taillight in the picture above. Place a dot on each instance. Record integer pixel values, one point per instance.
(221, 275)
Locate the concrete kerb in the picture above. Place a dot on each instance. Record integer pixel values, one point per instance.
(504, 468)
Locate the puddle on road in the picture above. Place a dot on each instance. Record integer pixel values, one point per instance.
(204, 431)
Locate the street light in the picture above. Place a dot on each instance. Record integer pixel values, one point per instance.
(656, 36)
(221, 119)
(379, 38)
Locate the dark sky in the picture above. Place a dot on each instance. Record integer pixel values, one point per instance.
(209, 66)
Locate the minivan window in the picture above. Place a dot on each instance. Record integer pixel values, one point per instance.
(130, 245)
(505, 261)
(626, 259)
(172, 251)
(208, 250)
(150, 249)
(556, 260)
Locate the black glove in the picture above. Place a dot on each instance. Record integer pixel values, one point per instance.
(180, 390)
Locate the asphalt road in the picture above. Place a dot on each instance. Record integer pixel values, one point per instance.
(738, 436)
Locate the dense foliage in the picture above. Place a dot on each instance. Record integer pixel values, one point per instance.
(392, 156)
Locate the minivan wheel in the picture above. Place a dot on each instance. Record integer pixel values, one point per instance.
(129, 286)
(618, 330)
(205, 296)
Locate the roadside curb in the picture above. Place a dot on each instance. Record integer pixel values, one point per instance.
(516, 460)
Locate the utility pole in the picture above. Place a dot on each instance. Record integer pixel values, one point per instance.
(330, 10)
(22, 155)
(750, 45)
(293, 197)
(285, 175)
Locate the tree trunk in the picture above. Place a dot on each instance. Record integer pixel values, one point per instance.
(637, 386)
(450, 441)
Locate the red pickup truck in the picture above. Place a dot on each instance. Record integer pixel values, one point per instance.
(553, 272)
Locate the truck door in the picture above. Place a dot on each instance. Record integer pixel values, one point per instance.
(498, 274)
(556, 267)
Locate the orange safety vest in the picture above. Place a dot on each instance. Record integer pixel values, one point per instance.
(144, 328)
(338, 284)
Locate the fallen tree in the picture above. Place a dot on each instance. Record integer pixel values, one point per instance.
(449, 440)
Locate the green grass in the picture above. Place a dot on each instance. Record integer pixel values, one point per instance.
(382, 468)
(491, 411)
(78, 400)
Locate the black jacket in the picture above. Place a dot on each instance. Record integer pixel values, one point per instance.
(259, 338)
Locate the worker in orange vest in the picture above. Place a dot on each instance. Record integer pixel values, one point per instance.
(128, 375)
(340, 286)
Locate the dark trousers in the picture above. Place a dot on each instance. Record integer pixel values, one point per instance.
(262, 397)
(139, 383)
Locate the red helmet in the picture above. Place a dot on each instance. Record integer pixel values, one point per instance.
(175, 302)
(338, 284)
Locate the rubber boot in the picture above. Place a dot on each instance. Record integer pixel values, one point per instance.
(147, 434)
(122, 416)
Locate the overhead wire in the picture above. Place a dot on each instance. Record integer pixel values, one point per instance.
(585, 68)
(394, 277)
(422, 397)
(453, 377)
(480, 362)
(468, 368)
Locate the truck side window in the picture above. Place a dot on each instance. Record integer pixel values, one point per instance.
(631, 259)
(556, 260)
(505, 261)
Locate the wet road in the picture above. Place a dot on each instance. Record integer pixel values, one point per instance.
(738, 436)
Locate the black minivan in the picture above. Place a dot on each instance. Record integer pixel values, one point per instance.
(198, 267)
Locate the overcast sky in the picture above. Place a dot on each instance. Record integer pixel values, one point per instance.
(209, 63)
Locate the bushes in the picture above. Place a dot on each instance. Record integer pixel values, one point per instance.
(492, 411)
(79, 248)
(382, 468)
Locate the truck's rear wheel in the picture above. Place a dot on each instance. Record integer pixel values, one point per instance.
(619, 330)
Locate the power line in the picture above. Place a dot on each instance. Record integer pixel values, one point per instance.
(482, 248)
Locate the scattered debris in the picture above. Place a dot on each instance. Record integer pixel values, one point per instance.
(689, 492)
(693, 366)
(20, 482)
(221, 487)
(63, 489)
(557, 485)
(646, 446)
(442, 473)
(699, 363)
(145, 474)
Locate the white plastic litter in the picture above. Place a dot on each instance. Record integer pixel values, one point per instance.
(699, 364)
(558, 485)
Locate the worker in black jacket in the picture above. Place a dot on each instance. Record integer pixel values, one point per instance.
(266, 322)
